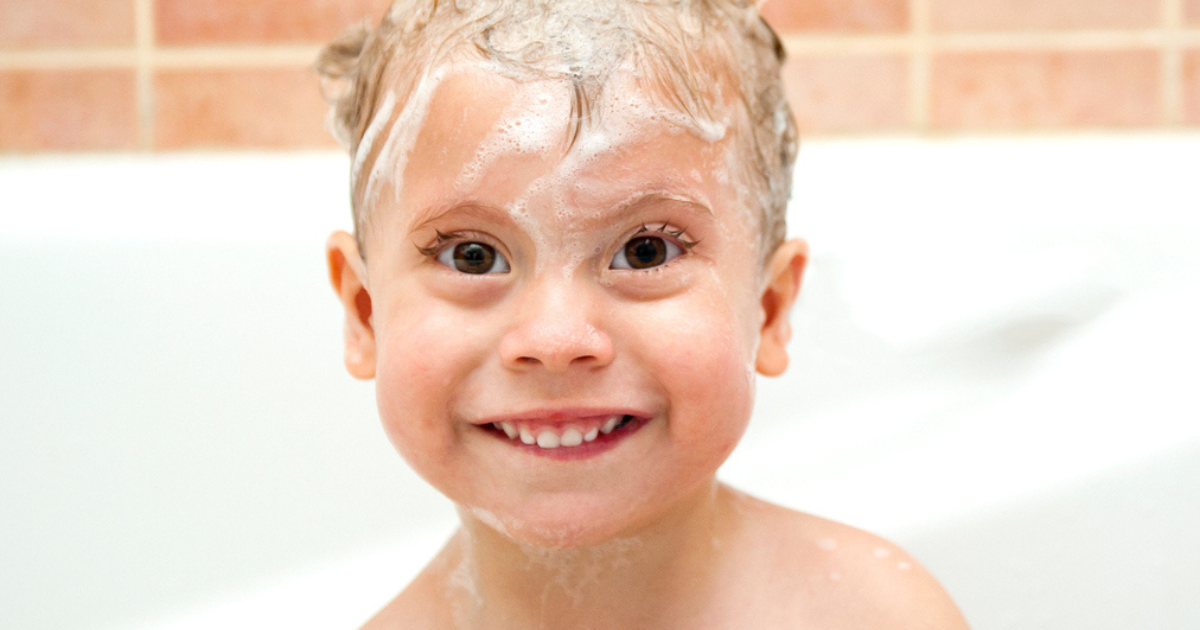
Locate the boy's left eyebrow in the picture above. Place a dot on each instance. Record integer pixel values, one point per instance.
(637, 202)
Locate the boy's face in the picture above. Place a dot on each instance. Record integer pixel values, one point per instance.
(518, 287)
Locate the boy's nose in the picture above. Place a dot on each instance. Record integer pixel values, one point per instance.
(555, 328)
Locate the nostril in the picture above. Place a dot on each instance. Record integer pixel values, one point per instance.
(557, 363)
(555, 344)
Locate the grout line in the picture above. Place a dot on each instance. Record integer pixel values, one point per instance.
(1056, 41)
(921, 68)
(797, 44)
(846, 44)
(144, 10)
(1171, 58)
(148, 55)
(68, 59)
(991, 42)
(236, 56)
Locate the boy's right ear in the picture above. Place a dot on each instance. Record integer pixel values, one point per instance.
(348, 275)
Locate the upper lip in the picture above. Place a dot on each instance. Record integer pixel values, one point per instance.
(561, 415)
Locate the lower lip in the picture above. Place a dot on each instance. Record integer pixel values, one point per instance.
(602, 444)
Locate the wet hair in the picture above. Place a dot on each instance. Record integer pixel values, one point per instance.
(687, 53)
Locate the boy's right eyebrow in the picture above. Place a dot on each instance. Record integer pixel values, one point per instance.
(431, 214)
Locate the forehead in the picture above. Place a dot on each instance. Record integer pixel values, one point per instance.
(474, 119)
(492, 139)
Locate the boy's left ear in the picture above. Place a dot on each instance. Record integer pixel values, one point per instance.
(784, 272)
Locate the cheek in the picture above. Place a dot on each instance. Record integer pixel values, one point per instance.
(702, 356)
(423, 353)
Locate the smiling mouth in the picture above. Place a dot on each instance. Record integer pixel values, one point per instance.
(574, 434)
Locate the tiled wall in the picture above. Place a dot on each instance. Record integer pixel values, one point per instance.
(200, 74)
(950, 66)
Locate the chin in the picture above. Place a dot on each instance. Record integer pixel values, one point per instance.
(564, 524)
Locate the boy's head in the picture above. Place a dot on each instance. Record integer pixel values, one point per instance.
(567, 209)
(712, 66)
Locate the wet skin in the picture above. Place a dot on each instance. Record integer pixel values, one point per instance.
(558, 327)
(551, 288)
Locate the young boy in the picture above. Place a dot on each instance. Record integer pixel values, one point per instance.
(568, 264)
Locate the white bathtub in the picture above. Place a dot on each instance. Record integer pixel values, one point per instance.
(995, 364)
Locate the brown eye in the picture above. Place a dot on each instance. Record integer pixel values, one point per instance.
(473, 257)
(645, 252)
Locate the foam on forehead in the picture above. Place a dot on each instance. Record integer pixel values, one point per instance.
(535, 121)
(693, 56)
(530, 124)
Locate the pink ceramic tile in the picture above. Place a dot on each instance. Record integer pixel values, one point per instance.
(54, 110)
(251, 21)
(58, 23)
(1002, 15)
(1191, 87)
(788, 16)
(832, 94)
(1023, 90)
(1192, 12)
(239, 108)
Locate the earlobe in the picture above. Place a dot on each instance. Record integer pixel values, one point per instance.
(347, 274)
(784, 272)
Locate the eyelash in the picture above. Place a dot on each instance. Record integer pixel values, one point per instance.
(493, 261)
(443, 240)
(675, 244)
(677, 235)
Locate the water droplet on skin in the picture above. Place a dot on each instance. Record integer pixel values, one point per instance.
(882, 553)
(904, 566)
(827, 544)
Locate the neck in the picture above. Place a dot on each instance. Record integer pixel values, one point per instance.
(660, 573)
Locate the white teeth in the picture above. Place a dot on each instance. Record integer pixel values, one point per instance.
(572, 437)
(547, 439)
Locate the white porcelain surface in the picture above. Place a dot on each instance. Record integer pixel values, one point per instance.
(994, 364)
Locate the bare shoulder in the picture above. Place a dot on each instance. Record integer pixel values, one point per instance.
(843, 577)
(888, 586)
(422, 605)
